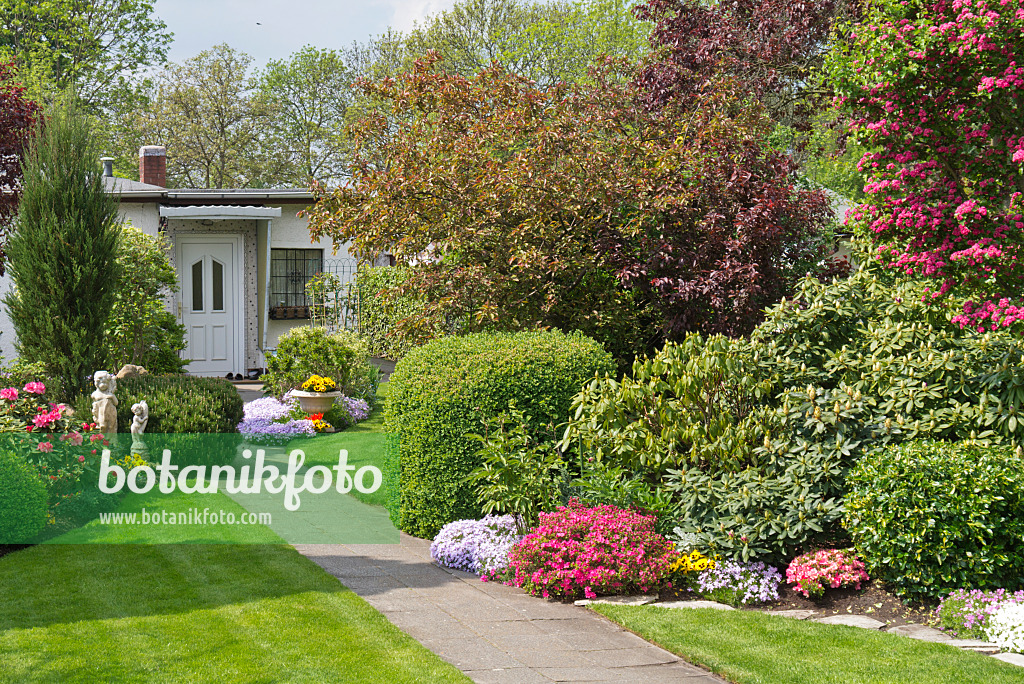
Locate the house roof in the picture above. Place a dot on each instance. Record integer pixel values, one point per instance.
(134, 191)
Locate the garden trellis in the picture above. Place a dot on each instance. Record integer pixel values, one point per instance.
(333, 299)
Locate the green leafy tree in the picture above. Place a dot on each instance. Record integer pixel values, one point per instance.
(548, 42)
(309, 95)
(141, 330)
(207, 112)
(100, 50)
(63, 252)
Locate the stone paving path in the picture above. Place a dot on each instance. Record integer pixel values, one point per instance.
(492, 632)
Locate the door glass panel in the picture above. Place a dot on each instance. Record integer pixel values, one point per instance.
(218, 286)
(197, 286)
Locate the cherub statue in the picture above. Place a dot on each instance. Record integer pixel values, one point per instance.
(104, 403)
(140, 418)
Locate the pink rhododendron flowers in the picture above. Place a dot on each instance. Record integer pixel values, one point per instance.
(812, 573)
(46, 419)
(45, 447)
(74, 439)
(9, 393)
(579, 551)
(35, 388)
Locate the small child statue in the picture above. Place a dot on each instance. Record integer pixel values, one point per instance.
(140, 418)
(104, 403)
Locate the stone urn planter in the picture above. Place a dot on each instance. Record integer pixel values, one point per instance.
(316, 402)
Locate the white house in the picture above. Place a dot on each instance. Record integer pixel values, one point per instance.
(242, 256)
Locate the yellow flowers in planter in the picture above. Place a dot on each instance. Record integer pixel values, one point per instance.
(318, 383)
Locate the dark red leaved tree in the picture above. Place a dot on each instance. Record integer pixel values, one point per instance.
(772, 47)
(18, 117)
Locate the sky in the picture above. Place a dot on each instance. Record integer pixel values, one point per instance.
(274, 29)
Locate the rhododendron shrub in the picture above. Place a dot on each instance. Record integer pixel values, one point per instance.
(933, 89)
(580, 551)
(811, 573)
(64, 450)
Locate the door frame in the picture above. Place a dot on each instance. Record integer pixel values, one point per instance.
(180, 239)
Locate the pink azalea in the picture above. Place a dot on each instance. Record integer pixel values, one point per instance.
(45, 447)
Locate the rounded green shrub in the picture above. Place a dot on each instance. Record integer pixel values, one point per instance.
(932, 517)
(180, 404)
(445, 389)
(307, 350)
(22, 500)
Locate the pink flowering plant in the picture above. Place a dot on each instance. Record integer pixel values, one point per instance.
(578, 551)
(64, 450)
(812, 573)
(965, 613)
(932, 89)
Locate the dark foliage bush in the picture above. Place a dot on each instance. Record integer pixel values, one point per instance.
(443, 390)
(23, 501)
(931, 517)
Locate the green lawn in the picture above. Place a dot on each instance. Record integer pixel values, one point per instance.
(197, 612)
(364, 442)
(193, 613)
(753, 648)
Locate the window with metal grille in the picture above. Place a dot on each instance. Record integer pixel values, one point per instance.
(290, 270)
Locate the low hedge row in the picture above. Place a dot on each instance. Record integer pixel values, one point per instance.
(931, 517)
(445, 389)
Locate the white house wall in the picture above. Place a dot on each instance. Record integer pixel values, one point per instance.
(144, 216)
(288, 232)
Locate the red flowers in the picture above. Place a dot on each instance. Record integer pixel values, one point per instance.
(585, 551)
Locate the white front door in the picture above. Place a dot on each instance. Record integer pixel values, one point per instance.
(209, 272)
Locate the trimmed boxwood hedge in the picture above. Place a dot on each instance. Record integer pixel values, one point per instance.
(441, 391)
(931, 517)
(196, 418)
(180, 404)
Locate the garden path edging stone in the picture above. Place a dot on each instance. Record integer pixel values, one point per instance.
(852, 621)
(492, 632)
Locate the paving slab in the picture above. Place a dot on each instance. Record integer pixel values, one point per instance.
(494, 633)
(974, 645)
(796, 614)
(1012, 658)
(920, 632)
(694, 604)
(852, 621)
(634, 600)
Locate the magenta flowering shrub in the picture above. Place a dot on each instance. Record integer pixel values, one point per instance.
(812, 573)
(579, 551)
(965, 613)
(933, 88)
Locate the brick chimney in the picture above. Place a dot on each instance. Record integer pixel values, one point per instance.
(153, 165)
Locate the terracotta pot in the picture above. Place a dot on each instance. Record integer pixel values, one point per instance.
(316, 402)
